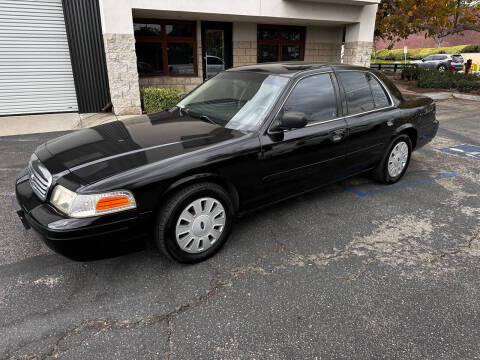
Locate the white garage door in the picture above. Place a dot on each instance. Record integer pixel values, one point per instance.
(35, 70)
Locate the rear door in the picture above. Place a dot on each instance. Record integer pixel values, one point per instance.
(370, 119)
(300, 159)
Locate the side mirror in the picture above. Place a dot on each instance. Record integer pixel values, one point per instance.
(183, 96)
(423, 60)
(290, 120)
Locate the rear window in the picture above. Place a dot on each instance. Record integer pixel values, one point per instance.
(457, 58)
(380, 96)
(357, 90)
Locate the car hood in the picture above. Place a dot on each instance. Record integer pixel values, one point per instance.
(96, 153)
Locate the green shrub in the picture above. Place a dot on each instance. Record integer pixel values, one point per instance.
(418, 54)
(465, 85)
(411, 72)
(474, 48)
(158, 99)
(432, 79)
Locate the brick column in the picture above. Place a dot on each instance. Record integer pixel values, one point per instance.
(358, 53)
(322, 52)
(244, 53)
(359, 38)
(122, 73)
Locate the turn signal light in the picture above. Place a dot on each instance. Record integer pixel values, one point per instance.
(112, 202)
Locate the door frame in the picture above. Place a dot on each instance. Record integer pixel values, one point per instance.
(227, 27)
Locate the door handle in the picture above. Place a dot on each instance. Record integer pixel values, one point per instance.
(338, 135)
(390, 122)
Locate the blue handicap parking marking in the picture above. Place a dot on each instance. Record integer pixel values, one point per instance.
(467, 150)
(400, 185)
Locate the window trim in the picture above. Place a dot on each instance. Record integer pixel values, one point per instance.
(281, 41)
(340, 93)
(335, 92)
(164, 39)
(337, 95)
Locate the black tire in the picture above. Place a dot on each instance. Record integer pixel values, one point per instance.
(381, 173)
(169, 213)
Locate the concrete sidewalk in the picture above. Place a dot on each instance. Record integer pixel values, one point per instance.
(33, 124)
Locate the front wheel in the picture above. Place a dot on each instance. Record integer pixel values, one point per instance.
(194, 223)
(395, 162)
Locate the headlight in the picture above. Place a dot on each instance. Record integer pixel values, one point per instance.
(81, 206)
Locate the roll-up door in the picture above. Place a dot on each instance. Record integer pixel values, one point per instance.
(35, 69)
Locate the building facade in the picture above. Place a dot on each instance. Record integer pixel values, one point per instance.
(101, 53)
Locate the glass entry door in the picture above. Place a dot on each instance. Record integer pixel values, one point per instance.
(216, 47)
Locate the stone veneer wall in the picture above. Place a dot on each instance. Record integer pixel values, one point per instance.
(122, 73)
(244, 53)
(322, 52)
(184, 83)
(358, 53)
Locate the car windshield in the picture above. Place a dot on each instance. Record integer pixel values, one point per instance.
(235, 100)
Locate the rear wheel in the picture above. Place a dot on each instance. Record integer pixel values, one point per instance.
(442, 68)
(395, 161)
(194, 223)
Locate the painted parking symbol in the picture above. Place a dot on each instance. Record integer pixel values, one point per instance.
(467, 150)
(400, 185)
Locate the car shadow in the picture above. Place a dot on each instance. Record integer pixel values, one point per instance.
(85, 250)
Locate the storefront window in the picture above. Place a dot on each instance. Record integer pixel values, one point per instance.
(280, 43)
(165, 47)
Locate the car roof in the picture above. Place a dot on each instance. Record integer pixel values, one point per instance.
(292, 68)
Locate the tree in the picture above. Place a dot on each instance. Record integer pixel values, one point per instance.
(398, 19)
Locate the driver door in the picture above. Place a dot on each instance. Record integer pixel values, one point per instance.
(297, 160)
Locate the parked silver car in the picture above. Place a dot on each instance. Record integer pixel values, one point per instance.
(441, 62)
(214, 65)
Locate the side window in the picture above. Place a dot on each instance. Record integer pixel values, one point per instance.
(357, 91)
(314, 96)
(380, 97)
(429, 58)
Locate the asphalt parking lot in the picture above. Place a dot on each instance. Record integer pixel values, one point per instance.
(356, 270)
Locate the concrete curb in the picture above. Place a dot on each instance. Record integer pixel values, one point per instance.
(466, 97)
(438, 96)
(447, 95)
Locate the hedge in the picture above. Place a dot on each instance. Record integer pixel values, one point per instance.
(433, 79)
(418, 54)
(158, 99)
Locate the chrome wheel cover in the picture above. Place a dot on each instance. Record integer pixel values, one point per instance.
(200, 225)
(398, 159)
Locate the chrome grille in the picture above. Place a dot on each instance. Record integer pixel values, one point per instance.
(40, 178)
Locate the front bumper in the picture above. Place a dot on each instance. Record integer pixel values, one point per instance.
(54, 226)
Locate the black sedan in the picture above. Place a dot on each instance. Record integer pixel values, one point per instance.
(248, 137)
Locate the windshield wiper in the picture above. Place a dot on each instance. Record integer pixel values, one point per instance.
(207, 119)
(203, 117)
